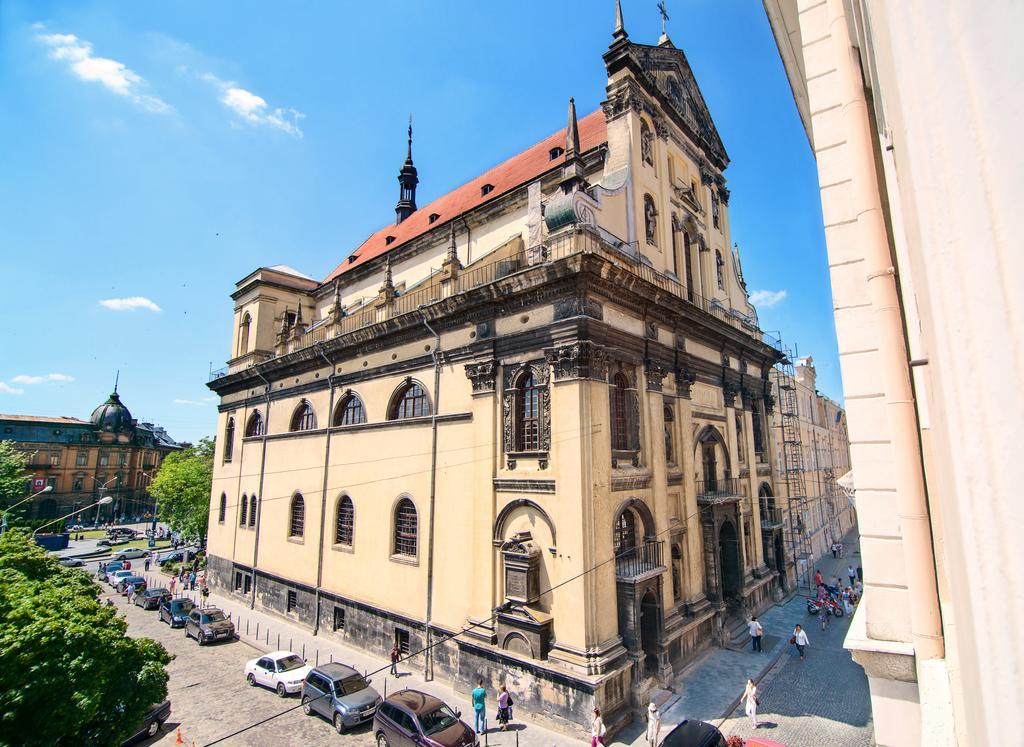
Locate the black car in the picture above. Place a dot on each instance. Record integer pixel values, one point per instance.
(178, 556)
(694, 733)
(175, 612)
(153, 723)
(151, 599)
(116, 532)
(123, 583)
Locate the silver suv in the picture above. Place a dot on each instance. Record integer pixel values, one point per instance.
(340, 694)
(208, 624)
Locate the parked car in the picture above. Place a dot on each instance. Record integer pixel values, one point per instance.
(694, 733)
(175, 612)
(411, 717)
(71, 562)
(126, 581)
(152, 725)
(177, 556)
(115, 532)
(340, 694)
(103, 571)
(208, 624)
(282, 671)
(151, 599)
(132, 552)
(113, 578)
(76, 528)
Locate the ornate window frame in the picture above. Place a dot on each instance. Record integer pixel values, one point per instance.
(512, 375)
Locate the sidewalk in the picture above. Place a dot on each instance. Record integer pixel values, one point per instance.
(268, 632)
(710, 687)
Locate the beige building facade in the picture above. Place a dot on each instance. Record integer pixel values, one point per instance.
(534, 413)
(912, 111)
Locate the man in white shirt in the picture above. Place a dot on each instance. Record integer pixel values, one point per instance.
(852, 574)
(756, 631)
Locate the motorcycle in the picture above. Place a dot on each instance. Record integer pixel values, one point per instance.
(831, 606)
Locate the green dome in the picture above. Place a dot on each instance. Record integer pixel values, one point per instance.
(112, 416)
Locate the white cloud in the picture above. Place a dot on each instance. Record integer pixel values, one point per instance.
(8, 389)
(254, 109)
(129, 304)
(32, 379)
(198, 403)
(115, 76)
(765, 299)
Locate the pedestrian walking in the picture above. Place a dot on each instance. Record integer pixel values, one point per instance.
(192, 581)
(129, 590)
(504, 707)
(173, 583)
(848, 600)
(653, 724)
(851, 573)
(103, 569)
(204, 589)
(756, 631)
(840, 549)
(750, 698)
(835, 550)
(823, 616)
(127, 565)
(479, 707)
(799, 639)
(597, 730)
(818, 578)
(395, 656)
(146, 565)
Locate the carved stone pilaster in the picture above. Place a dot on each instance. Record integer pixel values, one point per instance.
(578, 360)
(684, 382)
(483, 376)
(748, 396)
(654, 371)
(729, 393)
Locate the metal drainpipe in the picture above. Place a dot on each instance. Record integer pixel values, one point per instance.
(883, 293)
(323, 497)
(469, 243)
(259, 496)
(436, 354)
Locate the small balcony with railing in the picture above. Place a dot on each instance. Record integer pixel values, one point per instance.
(720, 490)
(771, 518)
(641, 561)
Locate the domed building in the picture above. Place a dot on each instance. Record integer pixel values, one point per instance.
(111, 451)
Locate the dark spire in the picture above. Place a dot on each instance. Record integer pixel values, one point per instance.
(572, 133)
(407, 180)
(620, 29)
(117, 377)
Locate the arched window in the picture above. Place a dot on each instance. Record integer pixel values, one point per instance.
(405, 528)
(527, 413)
(646, 143)
(229, 439)
(243, 334)
(409, 402)
(222, 511)
(255, 425)
(346, 521)
(620, 416)
(243, 512)
(720, 269)
(670, 451)
(625, 531)
(349, 411)
(252, 511)
(304, 418)
(297, 516)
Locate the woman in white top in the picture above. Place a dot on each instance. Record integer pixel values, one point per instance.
(597, 729)
(800, 639)
(750, 696)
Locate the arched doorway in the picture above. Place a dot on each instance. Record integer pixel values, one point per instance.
(649, 626)
(729, 555)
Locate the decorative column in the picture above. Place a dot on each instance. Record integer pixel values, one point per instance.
(694, 562)
(729, 393)
(753, 481)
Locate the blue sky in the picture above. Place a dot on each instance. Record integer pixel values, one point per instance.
(157, 153)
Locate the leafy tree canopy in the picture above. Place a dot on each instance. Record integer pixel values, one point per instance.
(13, 474)
(182, 489)
(69, 675)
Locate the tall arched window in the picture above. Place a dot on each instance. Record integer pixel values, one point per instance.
(670, 451)
(254, 427)
(620, 413)
(252, 512)
(349, 411)
(720, 269)
(405, 528)
(625, 531)
(527, 413)
(243, 511)
(229, 439)
(223, 509)
(346, 521)
(304, 418)
(409, 402)
(297, 516)
(243, 334)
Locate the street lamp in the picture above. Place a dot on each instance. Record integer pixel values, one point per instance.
(101, 502)
(3, 522)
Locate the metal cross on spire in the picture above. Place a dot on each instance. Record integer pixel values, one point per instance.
(664, 17)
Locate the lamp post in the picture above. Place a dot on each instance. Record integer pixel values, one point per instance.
(3, 522)
(101, 489)
(101, 502)
(149, 479)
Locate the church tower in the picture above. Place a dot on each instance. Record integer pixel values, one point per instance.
(407, 180)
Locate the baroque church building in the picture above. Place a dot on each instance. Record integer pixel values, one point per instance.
(535, 410)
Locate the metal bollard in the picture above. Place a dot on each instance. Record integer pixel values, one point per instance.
(290, 646)
(278, 641)
(257, 630)
(303, 651)
(316, 662)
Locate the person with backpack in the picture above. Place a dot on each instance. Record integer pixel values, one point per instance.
(504, 707)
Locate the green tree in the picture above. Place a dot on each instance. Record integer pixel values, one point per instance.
(182, 489)
(13, 474)
(69, 675)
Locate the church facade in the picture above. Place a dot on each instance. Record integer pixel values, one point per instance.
(534, 413)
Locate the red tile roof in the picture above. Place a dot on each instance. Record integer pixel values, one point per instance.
(513, 173)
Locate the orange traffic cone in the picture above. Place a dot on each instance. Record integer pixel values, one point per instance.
(177, 738)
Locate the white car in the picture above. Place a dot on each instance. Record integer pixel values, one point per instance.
(282, 671)
(131, 552)
(114, 576)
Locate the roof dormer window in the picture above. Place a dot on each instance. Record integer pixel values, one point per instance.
(555, 153)
(389, 240)
(486, 190)
(433, 217)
